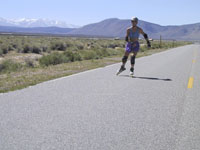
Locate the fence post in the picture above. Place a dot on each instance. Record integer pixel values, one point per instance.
(160, 41)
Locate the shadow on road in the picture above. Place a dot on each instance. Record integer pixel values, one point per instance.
(147, 78)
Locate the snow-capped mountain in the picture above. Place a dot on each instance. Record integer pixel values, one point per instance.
(24, 22)
(4, 22)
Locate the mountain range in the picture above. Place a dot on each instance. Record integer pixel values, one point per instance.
(112, 28)
(23, 22)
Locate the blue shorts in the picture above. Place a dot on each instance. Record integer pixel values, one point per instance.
(132, 47)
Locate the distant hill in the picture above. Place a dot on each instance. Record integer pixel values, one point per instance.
(108, 28)
(117, 28)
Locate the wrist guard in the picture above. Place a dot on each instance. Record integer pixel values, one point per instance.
(145, 36)
(148, 44)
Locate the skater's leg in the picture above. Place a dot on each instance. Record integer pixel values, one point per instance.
(133, 59)
(132, 63)
(125, 58)
(136, 47)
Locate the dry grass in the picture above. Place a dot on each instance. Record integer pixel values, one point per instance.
(18, 80)
(31, 76)
(35, 73)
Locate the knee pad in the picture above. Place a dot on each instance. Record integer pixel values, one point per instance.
(132, 59)
(124, 59)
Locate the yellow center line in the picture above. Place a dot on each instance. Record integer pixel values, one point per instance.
(190, 82)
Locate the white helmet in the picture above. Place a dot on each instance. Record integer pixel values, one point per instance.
(134, 19)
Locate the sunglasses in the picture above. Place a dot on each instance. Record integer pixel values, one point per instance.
(134, 21)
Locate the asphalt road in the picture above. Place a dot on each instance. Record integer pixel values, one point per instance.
(158, 109)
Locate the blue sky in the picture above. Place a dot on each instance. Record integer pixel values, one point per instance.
(82, 12)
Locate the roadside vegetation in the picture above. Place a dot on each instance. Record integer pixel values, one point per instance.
(28, 60)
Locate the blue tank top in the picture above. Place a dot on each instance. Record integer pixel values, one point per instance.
(133, 34)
